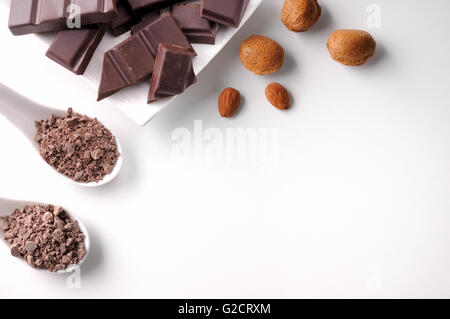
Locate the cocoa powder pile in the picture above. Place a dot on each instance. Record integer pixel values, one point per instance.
(45, 236)
(77, 146)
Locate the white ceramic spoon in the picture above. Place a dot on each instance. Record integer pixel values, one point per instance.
(23, 113)
(7, 206)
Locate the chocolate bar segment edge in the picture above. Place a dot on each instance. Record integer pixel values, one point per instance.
(74, 48)
(195, 28)
(143, 6)
(125, 19)
(229, 14)
(34, 16)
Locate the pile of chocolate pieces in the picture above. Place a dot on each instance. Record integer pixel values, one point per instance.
(159, 47)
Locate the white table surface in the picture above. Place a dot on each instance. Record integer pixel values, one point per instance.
(355, 204)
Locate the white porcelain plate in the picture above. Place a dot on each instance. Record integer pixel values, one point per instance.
(24, 67)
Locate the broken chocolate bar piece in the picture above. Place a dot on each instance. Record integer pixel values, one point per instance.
(150, 5)
(165, 30)
(173, 72)
(128, 63)
(131, 61)
(124, 21)
(146, 20)
(196, 28)
(229, 12)
(33, 16)
(74, 48)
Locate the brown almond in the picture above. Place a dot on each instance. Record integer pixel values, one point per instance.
(278, 96)
(351, 47)
(300, 15)
(229, 101)
(261, 55)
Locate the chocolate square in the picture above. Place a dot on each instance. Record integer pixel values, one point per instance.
(74, 48)
(173, 72)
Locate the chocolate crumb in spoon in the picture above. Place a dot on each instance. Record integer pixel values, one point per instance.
(34, 234)
(77, 146)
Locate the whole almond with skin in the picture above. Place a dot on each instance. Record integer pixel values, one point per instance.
(229, 101)
(261, 55)
(278, 96)
(300, 15)
(351, 47)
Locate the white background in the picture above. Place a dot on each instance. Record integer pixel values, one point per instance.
(357, 205)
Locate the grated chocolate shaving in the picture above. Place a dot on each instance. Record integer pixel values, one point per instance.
(77, 146)
(45, 236)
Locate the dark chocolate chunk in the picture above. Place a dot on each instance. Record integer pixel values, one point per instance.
(173, 72)
(166, 30)
(146, 20)
(128, 63)
(32, 16)
(124, 20)
(74, 48)
(132, 61)
(150, 5)
(196, 28)
(229, 12)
